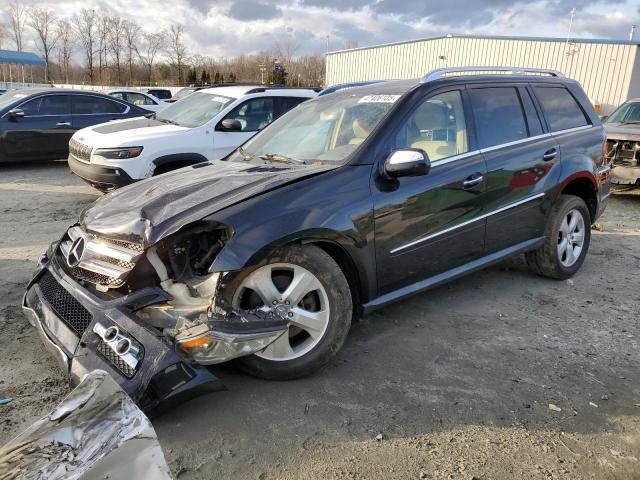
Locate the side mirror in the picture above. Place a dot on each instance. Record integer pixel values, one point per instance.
(410, 162)
(16, 113)
(604, 118)
(230, 125)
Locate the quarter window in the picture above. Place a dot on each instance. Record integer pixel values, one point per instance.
(254, 114)
(287, 103)
(437, 126)
(93, 105)
(499, 116)
(560, 108)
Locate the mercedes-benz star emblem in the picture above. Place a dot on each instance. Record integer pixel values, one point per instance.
(74, 257)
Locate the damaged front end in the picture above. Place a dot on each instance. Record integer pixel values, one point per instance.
(150, 315)
(624, 157)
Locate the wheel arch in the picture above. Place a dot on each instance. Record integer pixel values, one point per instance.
(584, 186)
(178, 159)
(341, 249)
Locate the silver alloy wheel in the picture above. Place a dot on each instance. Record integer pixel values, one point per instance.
(571, 238)
(288, 304)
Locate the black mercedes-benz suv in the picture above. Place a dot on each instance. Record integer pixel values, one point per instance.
(349, 202)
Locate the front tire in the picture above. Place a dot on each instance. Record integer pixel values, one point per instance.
(305, 285)
(567, 239)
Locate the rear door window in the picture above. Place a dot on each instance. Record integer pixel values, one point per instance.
(287, 103)
(560, 108)
(254, 114)
(499, 115)
(93, 105)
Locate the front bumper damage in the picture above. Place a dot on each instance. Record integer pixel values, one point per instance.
(96, 432)
(85, 333)
(624, 156)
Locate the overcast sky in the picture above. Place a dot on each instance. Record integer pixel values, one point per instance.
(231, 27)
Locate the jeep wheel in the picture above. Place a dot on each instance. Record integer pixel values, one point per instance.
(304, 285)
(567, 240)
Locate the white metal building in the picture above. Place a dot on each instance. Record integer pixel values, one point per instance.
(608, 70)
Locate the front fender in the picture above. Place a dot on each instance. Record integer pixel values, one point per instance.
(337, 210)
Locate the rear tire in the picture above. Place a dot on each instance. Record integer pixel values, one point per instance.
(567, 238)
(320, 310)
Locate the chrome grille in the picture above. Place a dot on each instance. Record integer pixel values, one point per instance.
(80, 150)
(104, 261)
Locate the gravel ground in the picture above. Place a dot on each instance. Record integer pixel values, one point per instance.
(497, 376)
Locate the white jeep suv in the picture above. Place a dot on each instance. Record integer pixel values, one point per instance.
(206, 125)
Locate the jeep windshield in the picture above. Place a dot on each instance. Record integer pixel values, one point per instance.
(325, 130)
(194, 110)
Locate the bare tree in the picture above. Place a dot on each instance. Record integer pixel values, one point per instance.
(117, 39)
(17, 19)
(42, 20)
(177, 49)
(85, 24)
(3, 34)
(131, 34)
(65, 35)
(152, 45)
(102, 31)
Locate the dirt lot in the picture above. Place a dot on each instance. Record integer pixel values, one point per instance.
(455, 383)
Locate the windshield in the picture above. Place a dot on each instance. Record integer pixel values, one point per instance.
(9, 97)
(325, 130)
(194, 110)
(627, 113)
(183, 92)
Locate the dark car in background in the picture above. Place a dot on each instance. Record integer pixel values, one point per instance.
(160, 93)
(36, 124)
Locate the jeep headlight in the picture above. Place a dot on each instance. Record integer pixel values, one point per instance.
(118, 153)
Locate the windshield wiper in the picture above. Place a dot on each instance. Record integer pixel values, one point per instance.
(245, 156)
(274, 157)
(164, 120)
(630, 122)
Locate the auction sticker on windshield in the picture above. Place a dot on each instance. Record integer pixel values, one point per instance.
(215, 98)
(379, 99)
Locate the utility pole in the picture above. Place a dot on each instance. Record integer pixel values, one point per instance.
(573, 14)
(327, 43)
(263, 68)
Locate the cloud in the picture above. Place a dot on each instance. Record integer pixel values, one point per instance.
(253, 10)
(224, 28)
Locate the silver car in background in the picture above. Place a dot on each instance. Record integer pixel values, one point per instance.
(623, 143)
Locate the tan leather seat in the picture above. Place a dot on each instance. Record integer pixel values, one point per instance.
(432, 117)
(360, 133)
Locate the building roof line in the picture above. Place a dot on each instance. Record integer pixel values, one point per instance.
(494, 37)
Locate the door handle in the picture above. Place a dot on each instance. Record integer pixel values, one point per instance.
(472, 181)
(550, 154)
(63, 124)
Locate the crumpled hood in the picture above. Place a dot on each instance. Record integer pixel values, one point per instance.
(621, 131)
(156, 207)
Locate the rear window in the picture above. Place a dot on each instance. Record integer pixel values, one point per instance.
(93, 105)
(560, 108)
(499, 115)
